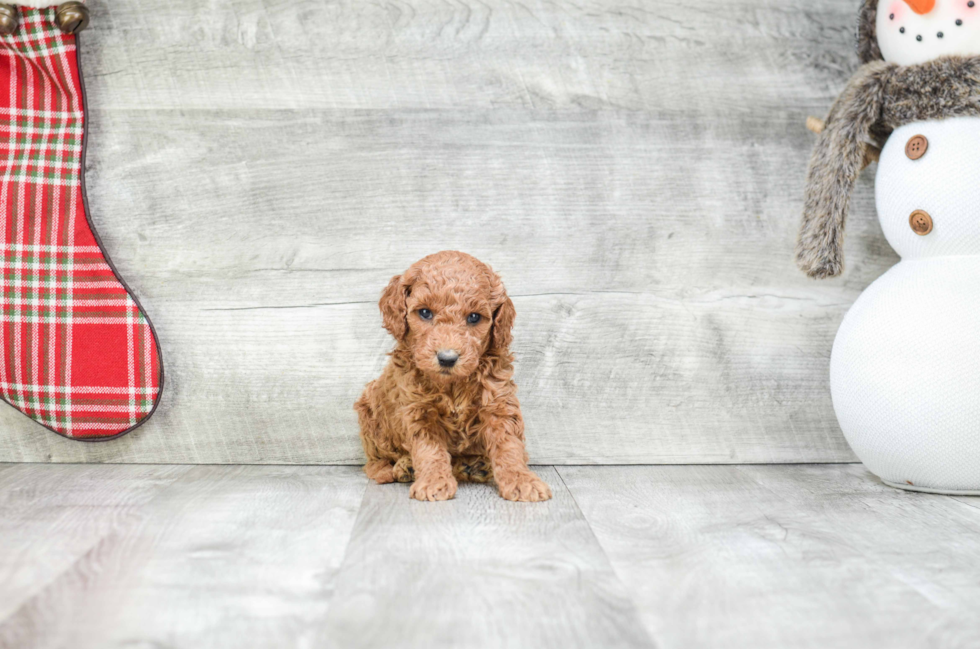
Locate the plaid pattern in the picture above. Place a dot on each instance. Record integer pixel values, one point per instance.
(78, 355)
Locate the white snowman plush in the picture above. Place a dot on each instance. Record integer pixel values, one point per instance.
(905, 367)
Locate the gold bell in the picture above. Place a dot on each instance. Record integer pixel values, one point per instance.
(71, 17)
(8, 19)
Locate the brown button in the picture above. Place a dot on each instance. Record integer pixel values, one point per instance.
(916, 147)
(921, 222)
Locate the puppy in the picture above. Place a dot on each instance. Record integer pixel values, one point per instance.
(445, 408)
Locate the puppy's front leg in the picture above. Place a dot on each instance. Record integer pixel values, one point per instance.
(503, 436)
(433, 468)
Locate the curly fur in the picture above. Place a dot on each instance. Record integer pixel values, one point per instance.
(434, 425)
(879, 98)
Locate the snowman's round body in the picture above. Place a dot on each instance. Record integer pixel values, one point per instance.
(905, 368)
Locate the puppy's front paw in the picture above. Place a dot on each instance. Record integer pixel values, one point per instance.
(523, 486)
(403, 470)
(433, 487)
(380, 471)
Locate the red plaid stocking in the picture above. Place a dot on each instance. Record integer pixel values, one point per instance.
(77, 354)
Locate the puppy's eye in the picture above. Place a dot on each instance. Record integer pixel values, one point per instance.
(474, 318)
(425, 314)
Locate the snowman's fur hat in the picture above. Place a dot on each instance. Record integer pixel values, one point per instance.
(879, 98)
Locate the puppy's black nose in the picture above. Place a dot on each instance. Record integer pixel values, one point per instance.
(447, 357)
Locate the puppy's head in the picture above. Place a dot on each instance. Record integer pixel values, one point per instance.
(448, 310)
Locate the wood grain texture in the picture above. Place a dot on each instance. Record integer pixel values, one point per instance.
(633, 169)
(134, 556)
(791, 556)
(674, 556)
(477, 571)
(53, 517)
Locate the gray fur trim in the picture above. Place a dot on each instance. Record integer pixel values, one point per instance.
(834, 168)
(879, 98)
(937, 89)
(867, 34)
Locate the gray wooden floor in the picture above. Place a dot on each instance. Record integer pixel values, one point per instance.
(666, 556)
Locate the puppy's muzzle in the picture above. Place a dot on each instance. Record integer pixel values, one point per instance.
(447, 357)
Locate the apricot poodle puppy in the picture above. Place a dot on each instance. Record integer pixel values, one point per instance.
(445, 408)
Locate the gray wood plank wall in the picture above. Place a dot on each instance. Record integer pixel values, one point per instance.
(258, 169)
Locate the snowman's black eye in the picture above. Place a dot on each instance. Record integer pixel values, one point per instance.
(425, 314)
(901, 30)
(891, 16)
(474, 318)
(939, 35)
(971, 4)
(959, 22)
(919, 37)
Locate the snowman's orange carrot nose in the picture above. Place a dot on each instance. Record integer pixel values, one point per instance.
(921, 7)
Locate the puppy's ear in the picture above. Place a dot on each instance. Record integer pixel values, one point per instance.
(393, 307)
(503, 318)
